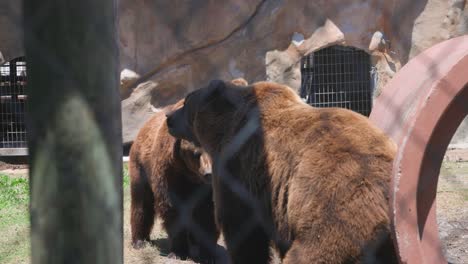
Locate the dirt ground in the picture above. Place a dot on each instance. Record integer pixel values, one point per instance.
(154, 252)
(452, 214)
(8, 167)
(452, 210)
(452, 217)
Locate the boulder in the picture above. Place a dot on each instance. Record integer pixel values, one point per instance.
(136, 110)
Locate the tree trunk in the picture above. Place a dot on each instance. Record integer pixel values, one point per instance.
(74, 131)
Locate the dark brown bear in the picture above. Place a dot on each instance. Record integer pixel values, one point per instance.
(313, 181)
(168, 180)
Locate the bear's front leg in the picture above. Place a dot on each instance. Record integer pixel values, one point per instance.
(204, 232)
(179, 244)
(246, 236)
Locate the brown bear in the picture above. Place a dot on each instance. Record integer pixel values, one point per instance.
(314, 181)
(170, 179)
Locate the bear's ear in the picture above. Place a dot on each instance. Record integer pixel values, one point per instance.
(220, 87)
(226, 93)
(217, 86)
(214, 88)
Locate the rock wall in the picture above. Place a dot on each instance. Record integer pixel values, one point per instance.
(11, 35)
(173, 47)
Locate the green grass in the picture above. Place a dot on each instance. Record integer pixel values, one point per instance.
(126, 176)
(14, 217)
(13, 191)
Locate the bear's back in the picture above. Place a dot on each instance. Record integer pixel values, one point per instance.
(344, 169)
(152, 141)
(327, 141)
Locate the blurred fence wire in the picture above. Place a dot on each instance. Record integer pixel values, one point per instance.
(71, 51)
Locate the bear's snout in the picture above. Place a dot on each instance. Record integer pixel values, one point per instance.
(174, 126)
(169, 121)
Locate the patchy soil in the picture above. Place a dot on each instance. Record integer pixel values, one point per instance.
(154, 252)
(452, 210)
(11, 167)
(456, 155)
(452, 214)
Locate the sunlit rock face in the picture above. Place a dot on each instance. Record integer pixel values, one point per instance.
(181, 45)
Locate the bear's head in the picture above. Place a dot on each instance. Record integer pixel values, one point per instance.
(195, 159)
(223, 108)
(206, 113)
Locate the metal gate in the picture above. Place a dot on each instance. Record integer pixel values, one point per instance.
(12, 105)
(338, 76)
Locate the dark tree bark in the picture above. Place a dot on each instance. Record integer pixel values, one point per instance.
(74, 131)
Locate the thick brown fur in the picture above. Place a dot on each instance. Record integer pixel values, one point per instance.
(167, 180)
(315, 181)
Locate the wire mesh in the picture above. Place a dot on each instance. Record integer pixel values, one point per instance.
(12, 104)
(337, 76)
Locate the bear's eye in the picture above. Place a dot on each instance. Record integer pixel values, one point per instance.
(197, 155)
(187, 98)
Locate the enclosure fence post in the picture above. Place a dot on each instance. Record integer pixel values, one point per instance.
(74, 131)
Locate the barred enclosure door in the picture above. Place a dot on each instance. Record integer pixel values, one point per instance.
(12, 103)
(337, 76)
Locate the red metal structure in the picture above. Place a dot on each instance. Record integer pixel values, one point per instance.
(420, 109)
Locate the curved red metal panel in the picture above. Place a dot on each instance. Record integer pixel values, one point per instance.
(420, 109)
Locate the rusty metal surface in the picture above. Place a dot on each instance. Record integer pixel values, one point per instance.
(420, 109)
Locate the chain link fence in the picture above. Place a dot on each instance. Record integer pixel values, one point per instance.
(261, 229)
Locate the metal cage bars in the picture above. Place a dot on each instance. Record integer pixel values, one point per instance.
(337, 76)
(12, 104)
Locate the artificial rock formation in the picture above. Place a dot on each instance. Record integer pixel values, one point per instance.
(181, 45)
